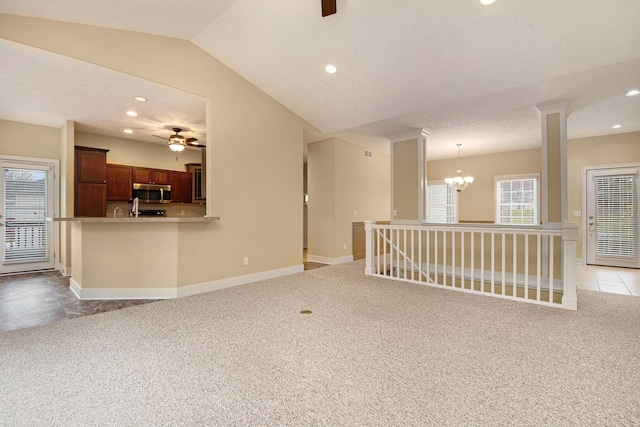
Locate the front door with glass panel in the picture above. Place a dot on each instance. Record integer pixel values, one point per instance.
(612, 220)
(25, 204)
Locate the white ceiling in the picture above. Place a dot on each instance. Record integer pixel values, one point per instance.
(469, 74)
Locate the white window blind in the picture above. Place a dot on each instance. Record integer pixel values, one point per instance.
(517, 201)
(617, 216)
(442, 201)
(25, 209)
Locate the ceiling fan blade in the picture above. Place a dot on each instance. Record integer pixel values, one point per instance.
(161, 137)
(195, 144)
(192, 139)
(328, 7)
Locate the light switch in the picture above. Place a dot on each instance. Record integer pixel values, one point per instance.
(577, 213)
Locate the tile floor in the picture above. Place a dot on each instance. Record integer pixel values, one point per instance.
(625, 281)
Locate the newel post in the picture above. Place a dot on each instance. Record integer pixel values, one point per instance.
(569, 279)
(369, 247)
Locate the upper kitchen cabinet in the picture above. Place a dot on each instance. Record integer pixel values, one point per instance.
(181, 187)
(90, 182)
(119, 180)
(151, 176)
(91, 165)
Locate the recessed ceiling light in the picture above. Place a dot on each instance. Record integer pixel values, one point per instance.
(616, 126)
(128, 131)
(140, 98)
(633, 92)
(132, 113)
(331, 69)
(487, 2)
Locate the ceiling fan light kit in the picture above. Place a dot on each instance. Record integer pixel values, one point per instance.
(178, 142)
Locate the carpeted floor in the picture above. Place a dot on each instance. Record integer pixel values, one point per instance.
(372, 352)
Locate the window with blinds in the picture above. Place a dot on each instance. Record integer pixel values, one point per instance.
(617, 216)
(442, 203)
(517, 201)
(25, 210)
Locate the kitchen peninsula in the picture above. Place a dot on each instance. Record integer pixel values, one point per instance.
(133, 258)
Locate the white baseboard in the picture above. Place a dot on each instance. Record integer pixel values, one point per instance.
(121, 293)
(330, 261)
(214, 285)
(63, 269)
(167, 293)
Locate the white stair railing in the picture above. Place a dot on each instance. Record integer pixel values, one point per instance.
(528, 264)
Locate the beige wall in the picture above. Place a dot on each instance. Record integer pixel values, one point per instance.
(476, 202)
(254, 144)
(344, 187)
(26, 140)
(596, 151)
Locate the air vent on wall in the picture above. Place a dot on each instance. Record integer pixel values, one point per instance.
(368, 154)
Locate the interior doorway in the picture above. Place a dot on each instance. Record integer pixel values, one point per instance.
(612, 221)
(27, 199)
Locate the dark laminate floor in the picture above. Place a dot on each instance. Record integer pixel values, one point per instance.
(35, 299)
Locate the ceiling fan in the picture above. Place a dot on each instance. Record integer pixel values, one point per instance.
(177, 142)
(328, 7)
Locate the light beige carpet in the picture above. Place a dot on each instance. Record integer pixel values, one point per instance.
(373, 352)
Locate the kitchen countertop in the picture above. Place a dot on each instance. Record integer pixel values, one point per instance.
(139, 219)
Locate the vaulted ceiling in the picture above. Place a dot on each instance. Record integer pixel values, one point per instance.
(467, 73)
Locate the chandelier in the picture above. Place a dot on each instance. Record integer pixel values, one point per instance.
(458, 182)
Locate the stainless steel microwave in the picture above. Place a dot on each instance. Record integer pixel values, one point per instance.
(152, 193)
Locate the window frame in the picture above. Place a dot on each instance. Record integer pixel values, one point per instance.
(496, 195)
(455, 203)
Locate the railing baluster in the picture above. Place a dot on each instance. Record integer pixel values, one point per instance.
(435, 250)
(472, 254)
(515, 266)
(453, 259)
(404, 251)
(539, 266)
(482, 287)
(420, 255)
(504, 254)
(462, 259)
(493, 263)
(444, 257)
(551, 268)
(526, 266)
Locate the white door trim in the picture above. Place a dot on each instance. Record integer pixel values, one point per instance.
(584, 216)
(51, 163)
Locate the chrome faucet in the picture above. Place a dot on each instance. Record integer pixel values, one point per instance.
(116, 210)
(134, 208)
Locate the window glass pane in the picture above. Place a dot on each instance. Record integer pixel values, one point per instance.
(517, 201)
(442, 202)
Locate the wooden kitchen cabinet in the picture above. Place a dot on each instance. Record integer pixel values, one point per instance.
(91, 200)
(90, 182)
(91, 165)
(151, 176)
(119, 182)
(181, 187)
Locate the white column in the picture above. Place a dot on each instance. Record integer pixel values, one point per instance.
(369, 267)
(409, 177)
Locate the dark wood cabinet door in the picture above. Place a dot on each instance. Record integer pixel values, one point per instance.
(119, 180)
(161, 176)
(142, 175)
(181, 187)
(91, 165)
(91, 199)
